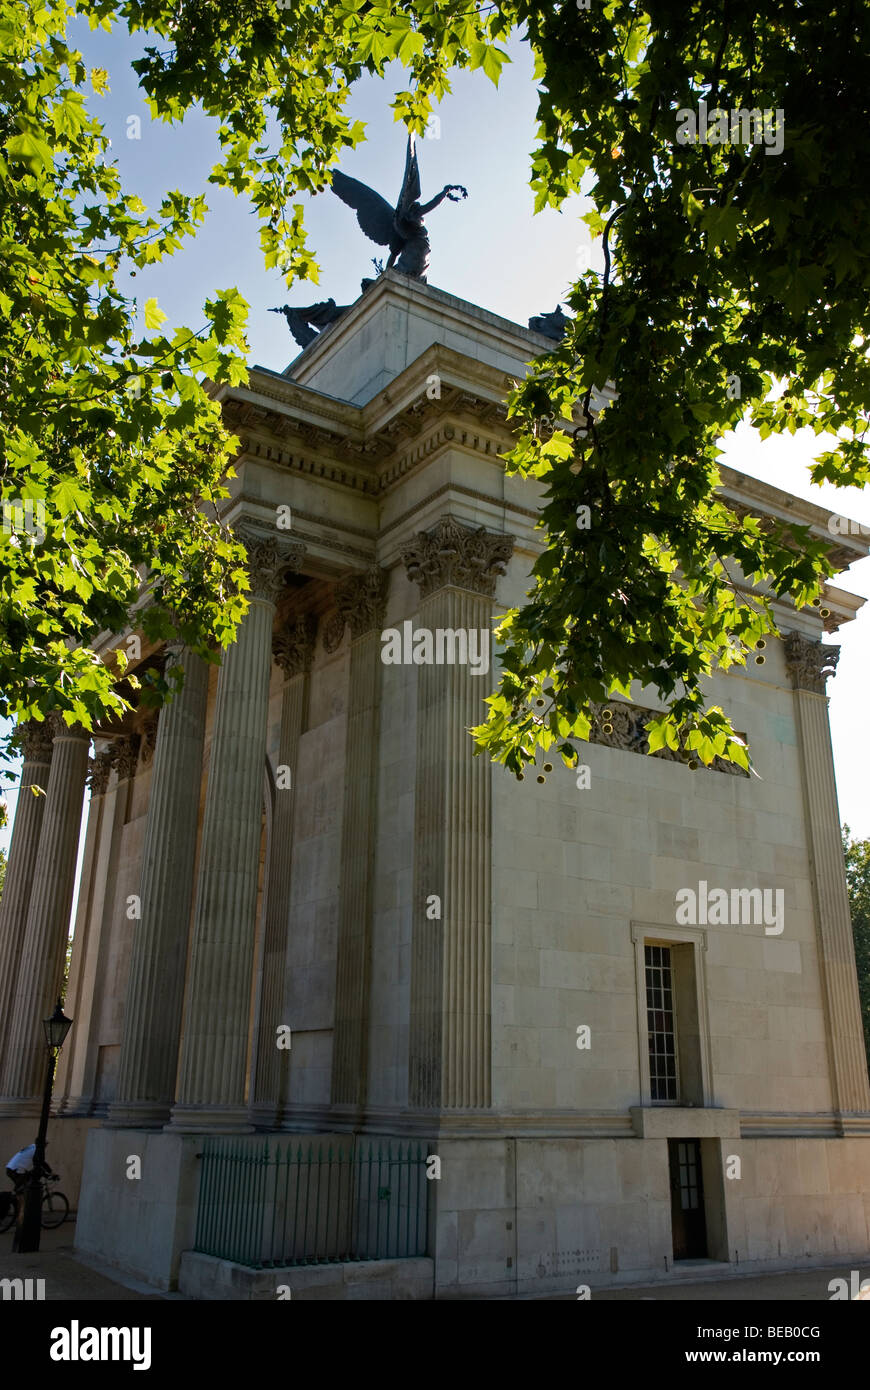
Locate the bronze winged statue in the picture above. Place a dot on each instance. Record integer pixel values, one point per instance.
(401, 228)
(306, 324)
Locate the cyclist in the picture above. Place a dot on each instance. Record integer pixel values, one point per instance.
(20, 1166)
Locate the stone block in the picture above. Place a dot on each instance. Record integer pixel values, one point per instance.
(672, 1122)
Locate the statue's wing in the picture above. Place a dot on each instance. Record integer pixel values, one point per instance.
(411, 187)
(373, 213)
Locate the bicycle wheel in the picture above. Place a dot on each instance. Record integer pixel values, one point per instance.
(10, 1215)
(55, 1209)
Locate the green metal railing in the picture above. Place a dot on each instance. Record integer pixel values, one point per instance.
(312, 1202)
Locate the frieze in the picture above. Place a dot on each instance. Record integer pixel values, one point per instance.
(621, 725)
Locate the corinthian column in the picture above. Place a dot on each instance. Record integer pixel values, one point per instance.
(215, 1041)
(456, 568)
(360, 600)
(155, 987)
(809, 664)
(293, 650)
(40, 971)
(23, 849)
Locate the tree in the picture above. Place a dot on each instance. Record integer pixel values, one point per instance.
(857, 854)
(729, 267)
(111, 447)
(734, 273)
(2, 870)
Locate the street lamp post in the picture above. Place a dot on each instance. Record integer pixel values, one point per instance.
(30, 1210)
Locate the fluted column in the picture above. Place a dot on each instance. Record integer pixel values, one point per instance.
(211, 1093)
(360, 600)
(450, 1018)
(40, 971)
(69, 1086)
(293, 649)
(809, 664)
(155, 985)
(23, 849)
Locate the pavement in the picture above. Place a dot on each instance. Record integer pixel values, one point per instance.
(791, 1286)
(67, 1276)
(70, 1277)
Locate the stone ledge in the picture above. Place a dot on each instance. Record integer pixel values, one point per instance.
(676, 1122)
(205, 1277)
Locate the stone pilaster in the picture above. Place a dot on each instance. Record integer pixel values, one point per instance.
(293, 649)
(809, 664)
(23, 849)
(450, 1024)
(40, 970)
(214, 1050)
(155, 988)
(360, 600)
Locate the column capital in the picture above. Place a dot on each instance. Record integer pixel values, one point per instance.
(460, 556)
(125, 756)
(60, 729)
(293, 645)
(99, 768)
(361, 600)
(269, 558)
(148, 734)
(36, 737)
(809, 663)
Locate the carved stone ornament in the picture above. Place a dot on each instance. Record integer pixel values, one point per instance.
(60, 729)
(453, 554)
(333, 633)
(99, 768)
(36, 738)
(125, 756)
(621, 725)
(149, 737)
(361, 600)
(293, 646)
(269, 558)
(809, 663)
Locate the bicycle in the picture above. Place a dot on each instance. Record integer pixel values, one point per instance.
(55, 1206)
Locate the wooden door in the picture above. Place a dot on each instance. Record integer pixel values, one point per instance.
(688, 1222)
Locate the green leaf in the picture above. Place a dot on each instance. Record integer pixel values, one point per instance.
(153, 316)
(31, 150)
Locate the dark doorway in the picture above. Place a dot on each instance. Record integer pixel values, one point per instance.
(688, 1223)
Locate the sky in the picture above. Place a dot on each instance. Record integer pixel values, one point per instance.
(491, 250)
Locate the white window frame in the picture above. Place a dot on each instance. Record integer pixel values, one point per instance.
(654, 934)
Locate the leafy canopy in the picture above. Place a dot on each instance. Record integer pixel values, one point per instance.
(724, 263)
(730, 270)
(110, 447)
(113, 455)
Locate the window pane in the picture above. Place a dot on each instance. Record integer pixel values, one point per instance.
(660, 1023)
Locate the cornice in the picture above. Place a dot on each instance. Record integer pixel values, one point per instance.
(822, 1126)
(391, 430)
(465, 1124)
(751, 496)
